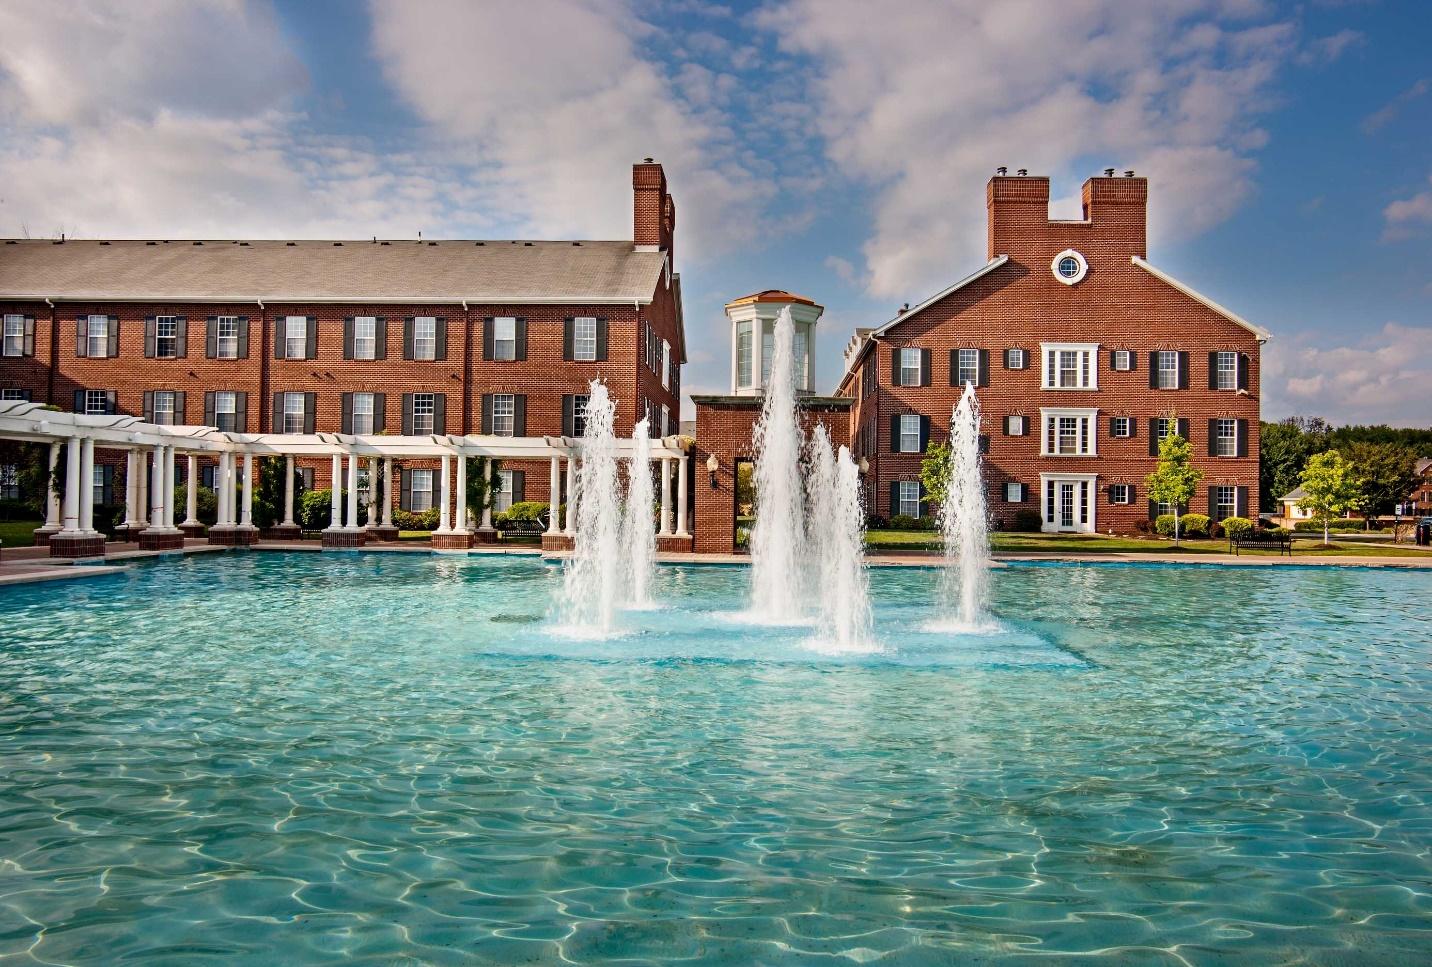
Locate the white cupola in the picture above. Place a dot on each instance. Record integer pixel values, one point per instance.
(753, 321)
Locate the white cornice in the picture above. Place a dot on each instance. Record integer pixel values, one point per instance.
(1263, 334)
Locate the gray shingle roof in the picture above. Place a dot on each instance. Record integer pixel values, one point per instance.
(359, 271)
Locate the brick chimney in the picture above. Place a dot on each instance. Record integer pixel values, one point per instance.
(1117, 208)
(1018, 207)
(1115, 217)
(653, 211)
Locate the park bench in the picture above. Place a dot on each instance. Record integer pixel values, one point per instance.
(1282, 543)
(536, 526)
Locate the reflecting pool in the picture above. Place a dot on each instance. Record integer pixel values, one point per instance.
(297, 758)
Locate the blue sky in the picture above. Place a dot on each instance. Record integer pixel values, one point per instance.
(833, 147)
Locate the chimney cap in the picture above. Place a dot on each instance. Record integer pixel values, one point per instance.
(1001, 170)
(1129, 173)
(1108, 172)
(648, 161)
(1023, 172)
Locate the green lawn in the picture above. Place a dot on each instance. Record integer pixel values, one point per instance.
(882, 540)
(18, 533)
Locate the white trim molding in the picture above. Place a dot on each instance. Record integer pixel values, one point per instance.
(1088, 437)
(1078, 276)
(1089, 493)
(1263, 334)
(1090, 348)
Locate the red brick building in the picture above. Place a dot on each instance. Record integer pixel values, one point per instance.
(1083, 354)
(412, 337)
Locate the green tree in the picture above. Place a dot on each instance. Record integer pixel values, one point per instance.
(935, 471)
(268, 498)
(484, 481)
(1175, 478)
(1331, 486)
(1387, 471)
(1284, 449)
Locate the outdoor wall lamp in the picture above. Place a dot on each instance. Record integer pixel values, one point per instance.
(712, 466)
(864, 465)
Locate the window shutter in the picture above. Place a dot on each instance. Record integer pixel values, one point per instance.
(924, 367)
(954, 367)
(81, 337)
(1241, 434)
(519, 486)
(405, 495)
(486, 424)
(407, 424)
(277, 425)
(1212, 438)
(1113, 360)
(567, 421)
(380, 338)
(439, 413)
(147, 414)
(1213, 370)
(487, 338)
(1245, 363)
(1133, 427)
(111, 402)
(1153, 510)
(1153, 370)
(1133, 494)
(894, 498)
(519, 416)
(924, 503)
(895, 370)
(984, 443)
(280, 323)
(79, 401)
(1240, 501)
(1181, 428)
(1183, 370)
(149, 340)
(984, 368)
(1212, 506)
(1133, 361)
(209, 408)
(310, 411)
(107, 491)
(181, 415)
(1154, 438)
(113, 349)
(243, 337)
(380, 412)
(924, 433)
(211, 337)
(310, 342)
(440, 338)
(347, 338)
(181, 336)
(894, 432)
(408, 327)
(241, 412)
(568, 338)
(1111, 426)
(1008, 360)
(521, 327)
(346, 421)
(603, 337)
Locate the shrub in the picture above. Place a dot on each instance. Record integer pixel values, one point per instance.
(1236, 526)
(1278, 532)
(419, 520)
(903, 522)
(524, 512)
(18, 510)
(315, 509)
(873, 523)
(1163, 525)
(1194, 525)
(107, 517)
(1143, 526)
(206, 504)
(1026, 521)
(1335, 526)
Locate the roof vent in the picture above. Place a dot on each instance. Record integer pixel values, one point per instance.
(1023, 172)
(198, 243)
(151, 243)
(1108, 172)
(1001, 170)
(337, 244)
(577, 244)
(383, 243)
(58, 241)
(479, 243)
(243, 245)
(434, 244)
(290, 244)
(527, 244)
(11, 241)
(104, 243)
(1129, 173)
(648, 161)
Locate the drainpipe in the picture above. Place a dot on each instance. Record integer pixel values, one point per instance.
(54, 352)
(265, 349)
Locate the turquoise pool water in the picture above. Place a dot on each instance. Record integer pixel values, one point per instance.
(297, 758)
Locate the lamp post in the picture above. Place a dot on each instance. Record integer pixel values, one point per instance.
(712, 467)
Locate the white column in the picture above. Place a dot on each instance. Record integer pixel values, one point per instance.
(335, 520)
(460, 523)
(571, 528)
(352, 524)
(388, 492)
(248, 482)
(735, 357)
(131, 491)
(141, 473)
(191, 492)
(444, 521)
(758, 344)
(156, 490)
(52, 496)
(665, 497)
(221, 486)
(72, 487)
(288, 491)
(681, 496)
(169, 457)
(87, 487)
(554, 493)
(372, 519)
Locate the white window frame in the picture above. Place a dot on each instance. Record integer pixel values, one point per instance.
(584, 339)
(160, 339)
(1081, 267)
(226, 403)
(1020, 361)
(579, 414)
(967, 360)
(504, 414)
(1159, 357)
(1086, 432)
(504, 338)
(295, 345)
(665, 420)
(364, 413)
(1216, 503)
(666, 364)
(907, 501)
(415, 504)
(97, 482)
(96, 402)
(293, 407)
(11, 394)
(1226, 374)
(1013, 492)
(365, 337)
(1120, 493)
(14, 335)
(163, 396)
(1225, 445)
(1018, 424)
(909, 432)
(743, 354)
(907, 353)
(9, 481)
(1085, 360)
(425, 337)
(1087, 495)
(226, 337)
(425, 410)
(1123, 360)
(502, 500)
(1122, 428)
(801, 348)
(100, 340)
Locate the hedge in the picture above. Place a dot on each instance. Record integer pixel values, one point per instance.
(1189, 525)
(1335, 526)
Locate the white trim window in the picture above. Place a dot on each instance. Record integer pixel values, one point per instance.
(1069, 267)
(162, 404)
(665, 420)
(420, 490)
(363, 406)
(1070, 366)
(425, 406)
(14, 335)
(909, 432)
(9, 481)
(425, 337)
(1013, 492)
(908, 498)
(1067, 502)
(295, 337)
(96, 402)
(1069, 433)
(1016, 424)
(768, 351)
(97, 481)
(1162, 427)
(502, 499)
(504, 338)
(910, 365)
(365, 337)
(1123, 360)
(802, 357)
(743, 354)
(1224, 501)
(226, 410)
(584, 339)
(968, 363)
(1225, 439)
(666, 364)
(1015, 358)
(11, 394)
(97, 337)
(1226, 373)
(1122, 427)
(226, 345)
(1121, 494)
(166, 337)
(504, 414)
(293, 412)
(579, 414)
(1167, 362)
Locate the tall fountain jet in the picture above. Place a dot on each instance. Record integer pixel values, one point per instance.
(837, 543)
(964, 522)
(778, 537)
(593, 585)
(638, 524)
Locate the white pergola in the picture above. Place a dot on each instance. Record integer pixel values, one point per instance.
(152, 449)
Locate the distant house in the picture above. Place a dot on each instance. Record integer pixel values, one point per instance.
(1292, 513)
(1422, 493)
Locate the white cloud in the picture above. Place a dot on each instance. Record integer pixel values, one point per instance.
(1388, 113)
(1382, 379)
(924, 99)
(1403, 217)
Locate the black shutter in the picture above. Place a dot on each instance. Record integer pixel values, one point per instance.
(924, 433)
(113, 349)
(211, 337)
(924, 503)
(487, 338)
(181, 336)
(603, 338)
(894, 432)
(277, 425)
(1212, 505)
(1241, 430)
(1133, 361)
(241, 412)
(81, 336)
(107, 491)
(924, 367)
(405, 494)
(181, 415)
(1153, 370)
(380, 338)
(111, 402)
(380, 412)
(1133, 426)
(79, 401)
(1112, 421)
(1113, 360)
(568, 424)
(486, 424)
(440, 338)
(407, 425)
(280, 326)
(519, 415)
(569, 326)
(1245, 363)
(149, 340)
(310, 342)
(408, 326)
(1153, 510)
(243, 337)
(1154, 436)
(1213, 370)
(954, 367)
(1181, 428)
(1183, 370)
(984, 368)
(519, 486)
(347, 338)
(310, 411)
(346, 420)
(147, 414)
(894, 498)
(521, 327)
(984, 443)
(1212, 438)
(209, 408)
(895, 367)
(439, 412)
(1240, 501)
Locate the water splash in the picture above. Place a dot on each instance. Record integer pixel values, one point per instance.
(964, 524)
(593, 582)
(836, 535)
(638, 524)
(778, 536)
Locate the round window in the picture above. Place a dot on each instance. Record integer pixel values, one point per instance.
(1069, 267)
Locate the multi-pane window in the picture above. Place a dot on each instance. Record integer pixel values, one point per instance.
(743, 354)
(504, 337)
(1014, 358)
(1014, 424)
(1121, 494)
(363, 413)
(292, 413)
(579, 415)
(225, 410)
(14, 335)
(1069, 433)
(163, 403)
(969, 366)
(666, 364)
(295, 337)
(1070, 366)
(97, 482)
(908, 498)
(9, 481)
(1225, 440)
(1224, 501)
(1167, 369)
(425, 337)
(12, 394)
(1122, 427)
(665, 420)
(1163, 509)
(909, 433)
(1162, 427)
(1226, 373)
(1123, 360)
(365, 337)
(1013, 492)
(96, 401)
(424, 410)
(584, 339)
(504, 414)
(227, 329)
(768, 350)
(97, 334)
(420, 485)
(802, 358)
(166, 337)
(910, 359)
(502, 500)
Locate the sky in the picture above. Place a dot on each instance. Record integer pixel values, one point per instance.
(835, 148)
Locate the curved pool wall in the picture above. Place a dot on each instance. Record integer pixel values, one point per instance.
(294, 758)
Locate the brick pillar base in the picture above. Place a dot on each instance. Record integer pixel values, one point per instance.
(344, 540)
(673, 545)
(283, 532)
(42, 536)
(160, 542)
(233, 536)
(382, 533)
(481, 536)
(451, 542)
(65, 546)
(556, 542)
(192, 530)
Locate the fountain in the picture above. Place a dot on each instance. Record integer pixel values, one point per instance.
(964, 523)
(837, 545)
(638, 525)
(593, 583)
